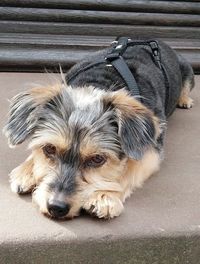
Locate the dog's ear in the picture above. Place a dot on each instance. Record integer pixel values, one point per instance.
(22, 118)
(138, 128)
(23, 114)
(137, 132)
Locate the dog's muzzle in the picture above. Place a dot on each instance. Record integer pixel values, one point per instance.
(57, 208)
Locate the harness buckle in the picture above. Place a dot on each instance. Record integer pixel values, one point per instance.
(119, 46)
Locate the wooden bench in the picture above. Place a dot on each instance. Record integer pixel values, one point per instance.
(36, 34)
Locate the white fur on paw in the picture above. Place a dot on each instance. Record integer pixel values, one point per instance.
(104, 205)
(15, 187)
(19, 188)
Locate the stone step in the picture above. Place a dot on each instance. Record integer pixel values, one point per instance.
(160, 223)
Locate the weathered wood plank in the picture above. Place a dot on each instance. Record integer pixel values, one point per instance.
(99, 29)
(82, 42)
(20, 64)
(186, 7)
(26, 57)
(12, 55)
(97, 17)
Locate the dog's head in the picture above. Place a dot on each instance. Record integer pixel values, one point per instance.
(81, 140)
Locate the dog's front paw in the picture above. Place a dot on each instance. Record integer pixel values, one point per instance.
(104, 205)
(21, 182)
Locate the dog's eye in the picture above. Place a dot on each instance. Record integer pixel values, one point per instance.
(95, 161)
(49, 150)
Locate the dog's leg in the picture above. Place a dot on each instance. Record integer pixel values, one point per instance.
(21, 178)
(187, 84)
(185, 101)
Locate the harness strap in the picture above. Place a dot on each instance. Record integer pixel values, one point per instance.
(120, 65)
(87, 67)
(168, 95)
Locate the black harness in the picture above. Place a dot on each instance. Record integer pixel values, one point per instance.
(115, 58)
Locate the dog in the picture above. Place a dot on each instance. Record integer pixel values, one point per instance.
(92, 141)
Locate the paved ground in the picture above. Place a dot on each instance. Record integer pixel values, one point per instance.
(161, 222)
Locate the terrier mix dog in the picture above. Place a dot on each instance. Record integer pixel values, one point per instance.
(93, 140)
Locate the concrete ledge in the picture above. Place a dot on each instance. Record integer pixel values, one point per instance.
(161, 250)
(161, 221)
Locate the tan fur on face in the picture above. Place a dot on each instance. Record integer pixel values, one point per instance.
(42, 165)
(88, 148)
(58, 140)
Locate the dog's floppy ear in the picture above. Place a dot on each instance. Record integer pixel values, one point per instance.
(22, 118)
(138, 128)
(137, 132)
(23, 112)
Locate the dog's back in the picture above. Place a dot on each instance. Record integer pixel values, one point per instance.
(159, 90)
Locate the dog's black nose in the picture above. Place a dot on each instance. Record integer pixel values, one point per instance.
(57, 208)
